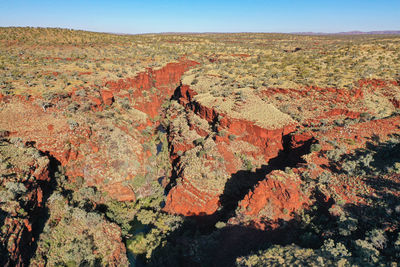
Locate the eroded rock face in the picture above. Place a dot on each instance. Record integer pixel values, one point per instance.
(70, 234)
(162, 82)
(278, 196)
(200, 176)
(233, 141)
(240, 166)
(268, 140)
(24, 181)
(243, 144)
(187, 200)
(228, 153)
(105, 153)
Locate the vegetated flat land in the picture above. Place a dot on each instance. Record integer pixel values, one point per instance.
(199, 149)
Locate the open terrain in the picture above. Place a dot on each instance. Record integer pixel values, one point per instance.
(199, 149)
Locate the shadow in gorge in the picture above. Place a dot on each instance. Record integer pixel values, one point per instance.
(3, 250)
(377, 166)
(174, 176)
(187, 246)
(197, 242)
(376, 157)
(381, 212)
(363, 228)
(242, 181)
(41, 214)
(190, 246)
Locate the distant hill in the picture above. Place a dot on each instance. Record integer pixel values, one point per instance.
(347, 33)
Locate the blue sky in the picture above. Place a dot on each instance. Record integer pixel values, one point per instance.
(204, 15)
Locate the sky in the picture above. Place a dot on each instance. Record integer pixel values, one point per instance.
(154, 16)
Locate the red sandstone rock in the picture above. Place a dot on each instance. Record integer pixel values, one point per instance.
(269, 141)
(108, 97)
(18, 238)
(187, 200)
(162, 79)
(71, 147)
(274, 198)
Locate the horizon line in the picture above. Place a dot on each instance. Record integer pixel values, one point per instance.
(352, 32)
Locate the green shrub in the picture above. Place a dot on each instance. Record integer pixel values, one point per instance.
(315, 148)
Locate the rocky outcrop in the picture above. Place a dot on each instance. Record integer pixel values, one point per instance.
(107, 97)
(96, 147)
(240, 141)
(162, 82)
(277, 197)
(198, 177)
(269, 141)
(188, 200)
(278, 192)
(73, 236)
(25, 179)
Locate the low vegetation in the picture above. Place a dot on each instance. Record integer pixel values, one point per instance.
(242, 149)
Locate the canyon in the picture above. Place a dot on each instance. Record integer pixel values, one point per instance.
(268, 191)
(179, 164)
